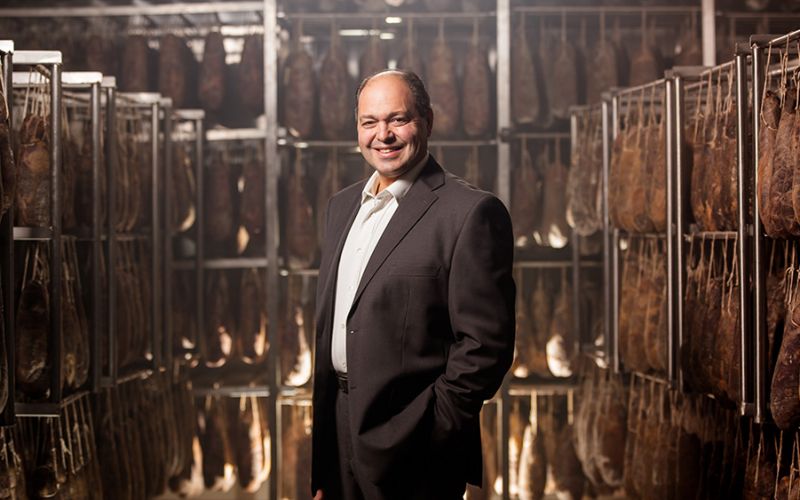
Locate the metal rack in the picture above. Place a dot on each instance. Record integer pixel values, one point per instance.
(48, 64)
(7, 245)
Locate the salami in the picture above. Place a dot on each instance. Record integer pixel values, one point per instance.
(250, 73)
(554, 228)
(525, 98)
(334, 91)
(173, 70)
(443, 87)
(218, 458)
(219, 213)
(219, 332)
(252, 338)
(33, 173)
(526, 198)
(252, 205)
(476, 86)
(301, 241)
(299, 89)
(211, 83)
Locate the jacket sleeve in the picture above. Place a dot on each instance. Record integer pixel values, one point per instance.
(481, 307)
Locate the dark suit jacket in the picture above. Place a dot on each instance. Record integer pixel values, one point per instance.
(430, 334)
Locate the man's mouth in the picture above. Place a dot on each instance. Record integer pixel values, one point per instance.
(388, 152)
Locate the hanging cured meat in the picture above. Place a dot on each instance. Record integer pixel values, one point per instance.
(173, 70)
(219, 328)
(252, 204)
(476, 112)
(532, 465)
(560, 340)
(334, 91)
(247, 443)
(567, 471)
(526, 198)
(545, 60)
(8, 169)
(770, 116)
(299, 90)
(583, 180)
(563, 88)
(296, 451)
(541, 317)
(443, 87)
(211, 82)
(525, 97)
(251, 76)
(689, 49)
(645, 64)
(784, 400)
(218, 457)
(554, 227)
(252, 337)
(603, 67)
(295, 352)
(32, 330)
(183, 189)
(134, 66)
(301, 241)
(783, 161)
(33, 173)
(657, 162)
(329, 186)
(219, 196)
(373, 59)
(409, 59)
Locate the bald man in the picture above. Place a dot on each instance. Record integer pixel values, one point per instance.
(415, 313)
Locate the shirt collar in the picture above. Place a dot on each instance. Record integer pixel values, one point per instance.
(399, 188)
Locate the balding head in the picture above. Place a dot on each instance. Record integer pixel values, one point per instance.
(422, 101)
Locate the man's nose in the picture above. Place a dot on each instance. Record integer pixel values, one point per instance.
(385, 132)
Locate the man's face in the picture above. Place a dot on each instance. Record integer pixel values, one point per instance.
(392, 136)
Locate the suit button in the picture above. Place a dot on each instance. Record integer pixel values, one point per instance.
(352, 331)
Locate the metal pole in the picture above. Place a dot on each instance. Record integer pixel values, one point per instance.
(199, 255)
(746, 188)
(709, 33)
(111, 233)
(166, 275)
(615, 362)
(54, 344)
(7, 261)
(672, 298)
(759, 342)
(272, 232)
(607, 268)
(96, 238)
(504, 105)
(680, 190)
(155, 238)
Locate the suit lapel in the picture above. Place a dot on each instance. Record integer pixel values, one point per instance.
(411, 208)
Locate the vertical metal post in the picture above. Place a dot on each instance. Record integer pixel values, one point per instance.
(504, 192)
(504, 104)
(672, 298)
(759, 275)
(111, 233)
(199, 255)
(96, 239)
(709, 33)
(272, 232)
(7, 261)
(166, 265)
(680, 191)
(746, 189)
(576, 250)
(607, 268)
(155, 237)
(615, 362)
(54, 343)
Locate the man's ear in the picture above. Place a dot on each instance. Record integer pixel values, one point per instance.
(429, 120)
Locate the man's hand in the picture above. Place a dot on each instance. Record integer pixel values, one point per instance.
(318, 496)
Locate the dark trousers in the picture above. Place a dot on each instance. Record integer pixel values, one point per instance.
(351, 487)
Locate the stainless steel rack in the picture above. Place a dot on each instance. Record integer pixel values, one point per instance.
(7, 245)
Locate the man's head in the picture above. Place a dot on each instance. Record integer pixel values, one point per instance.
(394, 120)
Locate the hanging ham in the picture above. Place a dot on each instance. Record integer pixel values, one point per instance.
(476, 84)
(443, 87)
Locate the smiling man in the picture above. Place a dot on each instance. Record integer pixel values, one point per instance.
(415, 313)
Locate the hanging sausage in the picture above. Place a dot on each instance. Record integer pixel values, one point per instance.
(301, 240)
(334, 90)
(211, 82)
(299, 89)
(525, 92)
(476, 86)
(443, 87)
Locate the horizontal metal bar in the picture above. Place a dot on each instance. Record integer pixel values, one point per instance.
(295, 396)
(32, 233)
(651, 378)
(606, 9)
(783, 39)
(526, 390)
(326, 17)
(68, 78)
(189, 114)
(109, 82)
(688, 72)
(642, 236)
(36, 56)
(227, 30)
(299, 272)
(134, 10)
(182, 136)
(235, 134)
(541, 135)
(235, 263)
(7, 46)
(638, 88)
(146, 98)
(710, 235)
(47, 409)
(233, 391)
(757, 15)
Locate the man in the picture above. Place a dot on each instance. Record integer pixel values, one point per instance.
(415, 313)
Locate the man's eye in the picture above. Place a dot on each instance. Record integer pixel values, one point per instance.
(368, 124)
(399, 120)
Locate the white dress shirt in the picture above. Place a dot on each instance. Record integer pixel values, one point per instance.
(371, 220)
